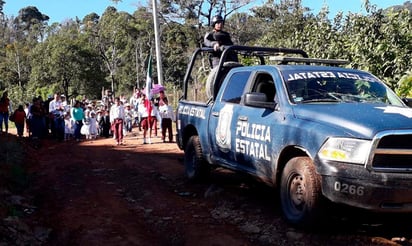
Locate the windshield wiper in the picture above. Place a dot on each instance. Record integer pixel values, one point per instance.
(321, 100)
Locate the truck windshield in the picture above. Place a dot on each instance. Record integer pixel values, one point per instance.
(337, 86)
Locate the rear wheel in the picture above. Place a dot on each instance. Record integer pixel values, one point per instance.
(300, 192)
(196, 167)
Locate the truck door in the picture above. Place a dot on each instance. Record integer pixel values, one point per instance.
(221, 122)
(254, 130)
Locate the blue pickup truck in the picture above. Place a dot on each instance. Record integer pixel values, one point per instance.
(313, 129)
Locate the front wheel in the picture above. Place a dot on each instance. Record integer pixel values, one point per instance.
(196, 167)
(300, 192)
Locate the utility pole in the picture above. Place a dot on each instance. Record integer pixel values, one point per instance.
(157, 43)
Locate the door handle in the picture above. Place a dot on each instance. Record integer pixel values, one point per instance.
(243, 118)
(216, 114)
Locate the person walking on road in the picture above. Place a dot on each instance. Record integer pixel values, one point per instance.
(167, 116)
(77, 114)
(56, 111)
(5, 110)
(146, 116)
(117, 119)
(19, 120)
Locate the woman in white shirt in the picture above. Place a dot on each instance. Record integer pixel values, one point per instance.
(167, 116)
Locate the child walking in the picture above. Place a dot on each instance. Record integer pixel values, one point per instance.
(68, 127)
(85, 130)
(19, 119)
(93, 126)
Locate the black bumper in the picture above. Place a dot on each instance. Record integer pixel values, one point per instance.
(357, 186)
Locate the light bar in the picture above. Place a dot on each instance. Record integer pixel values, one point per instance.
(285, 60)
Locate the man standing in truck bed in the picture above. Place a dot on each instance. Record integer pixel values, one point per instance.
(217, 38)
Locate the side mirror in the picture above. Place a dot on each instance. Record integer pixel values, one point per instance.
(259, 100)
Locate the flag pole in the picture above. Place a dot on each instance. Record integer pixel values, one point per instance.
(149, 82)
(148, 88)
(157, 43)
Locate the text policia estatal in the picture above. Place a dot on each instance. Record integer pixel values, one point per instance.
(252, 139)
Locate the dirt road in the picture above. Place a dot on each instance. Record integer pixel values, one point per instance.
(97, 193)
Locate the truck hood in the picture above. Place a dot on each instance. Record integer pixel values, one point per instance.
(360, 120)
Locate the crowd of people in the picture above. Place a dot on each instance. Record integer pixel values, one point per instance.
(84, 119)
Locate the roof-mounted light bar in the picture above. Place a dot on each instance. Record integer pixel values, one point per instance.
(286, 60)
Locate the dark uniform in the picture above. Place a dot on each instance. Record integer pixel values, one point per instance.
(220, 38)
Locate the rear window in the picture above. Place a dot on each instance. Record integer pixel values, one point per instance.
(235, 87)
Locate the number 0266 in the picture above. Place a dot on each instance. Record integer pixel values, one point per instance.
(349, 189)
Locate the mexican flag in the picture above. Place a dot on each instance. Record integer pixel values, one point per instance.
(149, 85)
(148, 89)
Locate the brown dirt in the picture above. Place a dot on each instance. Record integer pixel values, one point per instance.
(96, 193)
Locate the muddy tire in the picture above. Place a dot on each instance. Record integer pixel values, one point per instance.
(300, 193)
(196, 168)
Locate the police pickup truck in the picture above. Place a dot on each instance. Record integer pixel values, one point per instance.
(316, 131)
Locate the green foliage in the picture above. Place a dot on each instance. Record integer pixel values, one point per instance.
(16, 95)
(379, 42)
(66, 63)
(177, 48)
(405, 85)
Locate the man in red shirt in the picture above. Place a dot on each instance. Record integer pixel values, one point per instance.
(5, 109)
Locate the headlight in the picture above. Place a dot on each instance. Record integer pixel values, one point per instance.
(345, 150)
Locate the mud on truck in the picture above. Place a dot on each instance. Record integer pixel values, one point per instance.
(315, 130)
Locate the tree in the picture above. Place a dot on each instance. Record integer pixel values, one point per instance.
(112, 41)
(176, 44)
(199, 13)
(31, 22)
(379, 42)
(66, 63)
(17, 55)
(15, 58)
(405, 85)
(284, 22)
(1, 7)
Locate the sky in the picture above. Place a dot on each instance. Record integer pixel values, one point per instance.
(60, 10)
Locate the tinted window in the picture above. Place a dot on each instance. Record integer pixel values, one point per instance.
(234, 90)
(337, 86)
(264, 84)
